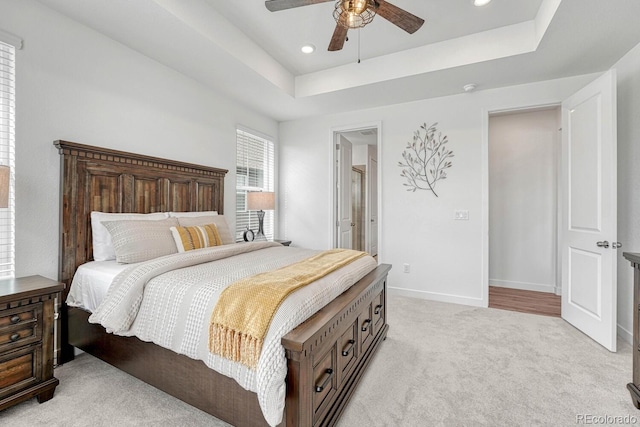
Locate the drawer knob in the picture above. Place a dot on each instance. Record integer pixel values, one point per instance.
(14, 337)
(15, 319)
(365, 325)
(348, 348)
(324, 380)
(377, 309)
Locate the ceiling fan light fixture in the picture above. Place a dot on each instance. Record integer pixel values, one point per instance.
(352, 14)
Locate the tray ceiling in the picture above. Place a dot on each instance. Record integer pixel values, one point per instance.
(244, 51)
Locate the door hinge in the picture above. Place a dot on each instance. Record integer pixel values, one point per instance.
(337, 146)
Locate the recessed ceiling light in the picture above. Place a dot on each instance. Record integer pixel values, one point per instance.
(308, 48)
(481, 2)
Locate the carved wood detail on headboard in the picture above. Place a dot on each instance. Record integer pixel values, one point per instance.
(100, 179)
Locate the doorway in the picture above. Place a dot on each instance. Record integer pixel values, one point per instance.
(356, 194)
(587, 206)
(524, 151)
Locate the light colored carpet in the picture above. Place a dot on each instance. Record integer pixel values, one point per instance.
(441, 365)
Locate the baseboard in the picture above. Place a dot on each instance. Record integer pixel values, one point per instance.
(524, 286)
(433, 296)
(625, 335)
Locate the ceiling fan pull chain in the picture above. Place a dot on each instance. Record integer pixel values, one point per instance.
(358, 45)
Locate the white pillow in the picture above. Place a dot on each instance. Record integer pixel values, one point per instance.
(191, 214)
(102, 244)
(137, 241)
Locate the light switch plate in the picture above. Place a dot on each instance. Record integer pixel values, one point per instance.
(461, 214)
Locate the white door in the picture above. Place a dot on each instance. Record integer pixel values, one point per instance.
(373, 197)
(345, 215)
(589, 200)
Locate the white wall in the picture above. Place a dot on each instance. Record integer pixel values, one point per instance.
(416, 228)
(359, 155)
(523, 154)
(628, 73)
(74, 84)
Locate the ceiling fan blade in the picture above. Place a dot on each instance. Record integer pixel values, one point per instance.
(276, 5)
(400, 17)
(338, 38)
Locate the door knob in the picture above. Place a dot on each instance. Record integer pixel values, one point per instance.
(353, 224)
(616, 245)
(604, 244)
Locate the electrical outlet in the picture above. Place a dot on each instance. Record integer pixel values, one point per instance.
(407, 268)
(461, 214)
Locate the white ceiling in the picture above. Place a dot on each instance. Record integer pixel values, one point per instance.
(282, 33)
(245, 52)
(362, 137)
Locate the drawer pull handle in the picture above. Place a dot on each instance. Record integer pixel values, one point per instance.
(365, 325)
(15, 319)
(324, 380)
(14, 337)
(348, 348)
(377, 309)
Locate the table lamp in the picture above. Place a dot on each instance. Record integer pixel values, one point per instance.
(261, 201)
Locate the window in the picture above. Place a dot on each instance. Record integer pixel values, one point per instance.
(7, 156)
(254, 172)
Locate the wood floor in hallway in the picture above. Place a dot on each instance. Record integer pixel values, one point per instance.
(543, 303)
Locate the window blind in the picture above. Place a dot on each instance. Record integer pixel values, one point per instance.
(7, 156)
(10, 39)
(254, 172)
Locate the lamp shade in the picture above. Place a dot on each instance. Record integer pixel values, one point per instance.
(261, 200)
(4, 186)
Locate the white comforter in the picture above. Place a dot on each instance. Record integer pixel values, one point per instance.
(169, 301)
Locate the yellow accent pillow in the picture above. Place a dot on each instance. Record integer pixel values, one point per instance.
(196, 237)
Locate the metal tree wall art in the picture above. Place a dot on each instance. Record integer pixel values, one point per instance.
(425, 159)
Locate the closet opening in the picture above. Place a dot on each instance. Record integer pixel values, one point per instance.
(524, 159)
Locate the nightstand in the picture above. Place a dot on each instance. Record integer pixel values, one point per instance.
(26, 339)
(283, 242)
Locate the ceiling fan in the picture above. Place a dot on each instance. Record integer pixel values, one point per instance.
(351, 14)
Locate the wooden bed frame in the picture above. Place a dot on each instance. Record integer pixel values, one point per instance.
(326, 355)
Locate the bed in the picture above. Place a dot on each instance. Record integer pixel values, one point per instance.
(326, 355)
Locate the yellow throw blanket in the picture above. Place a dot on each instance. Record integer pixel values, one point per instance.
(244, 310)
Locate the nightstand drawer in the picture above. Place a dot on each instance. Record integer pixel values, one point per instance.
(27, 338)
(20, 326)
(19, 315)
(20, 369)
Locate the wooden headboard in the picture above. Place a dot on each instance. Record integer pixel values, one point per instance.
(99, 179)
